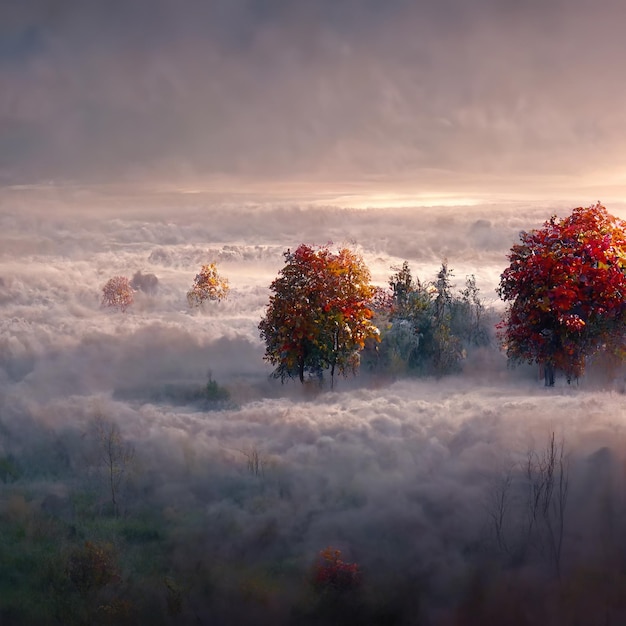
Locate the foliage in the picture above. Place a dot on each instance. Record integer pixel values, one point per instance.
(446, 346)
(207, 285)
(174, 597)
(332, 574)
(468, 320)
(92, 567)
(427, 328)
(139, 532)
(319, 315)
(117, 293)
(9, 471)
(213, 392)
(146, 568)
(565, 286)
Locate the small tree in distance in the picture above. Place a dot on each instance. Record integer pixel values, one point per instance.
(114, 456)
(207, 285)
(566, 288)
(148, 283)
(117, 293)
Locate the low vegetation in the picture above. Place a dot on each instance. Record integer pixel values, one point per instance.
(85, 556)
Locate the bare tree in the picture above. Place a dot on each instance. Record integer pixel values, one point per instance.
(254, 461)
(115, 456)
(498, 505)
(553, 506)
(547, 476)
(536, 496)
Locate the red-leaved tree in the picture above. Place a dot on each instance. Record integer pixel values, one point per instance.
(332, 574)
(566, 289)
(319, 314)
(117, 293)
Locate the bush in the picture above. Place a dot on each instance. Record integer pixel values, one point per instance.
(332, 574)
(92, 567)
(8, 470)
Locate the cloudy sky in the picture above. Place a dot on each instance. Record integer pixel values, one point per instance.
(474, 99)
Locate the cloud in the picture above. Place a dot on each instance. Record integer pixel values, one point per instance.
(429, 95)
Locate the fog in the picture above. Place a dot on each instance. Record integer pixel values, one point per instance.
(402, 475)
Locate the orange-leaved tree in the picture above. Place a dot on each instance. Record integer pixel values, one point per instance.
(207, 285)
(319, 314)
(117, 293)
(566, 289)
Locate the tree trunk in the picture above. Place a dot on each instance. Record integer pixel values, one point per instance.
(548, 374)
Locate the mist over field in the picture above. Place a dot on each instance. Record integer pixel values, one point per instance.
(422, 482)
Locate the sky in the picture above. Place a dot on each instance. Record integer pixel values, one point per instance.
(396, 100)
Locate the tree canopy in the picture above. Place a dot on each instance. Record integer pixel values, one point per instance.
(566, 288)
(207, 285)
(427, 328)
(319, 314)
(117, 293)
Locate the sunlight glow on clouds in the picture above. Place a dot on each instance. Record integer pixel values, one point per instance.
(396, 200)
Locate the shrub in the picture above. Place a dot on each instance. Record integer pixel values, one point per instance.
(331, 573)
(92, 567)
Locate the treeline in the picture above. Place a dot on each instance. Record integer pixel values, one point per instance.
(325, 315)
(565, 289)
